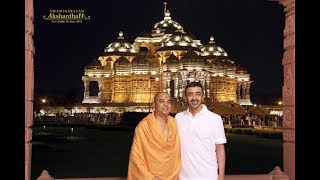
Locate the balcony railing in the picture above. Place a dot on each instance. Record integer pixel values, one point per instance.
(275, 174)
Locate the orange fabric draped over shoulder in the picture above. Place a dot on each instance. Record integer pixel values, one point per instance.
(151, 155)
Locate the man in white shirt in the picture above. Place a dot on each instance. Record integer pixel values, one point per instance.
(202, 138)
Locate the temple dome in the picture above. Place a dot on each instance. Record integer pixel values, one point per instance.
(191, 61)
(120, 47)
(95, 64)
(172, 63)
(212, 49)
(167, 25)
(179, 41)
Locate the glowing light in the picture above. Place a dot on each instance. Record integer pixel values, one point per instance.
(127, 45)
(169, 44)
(183, 44)
(122, 49)
(110, 50)
(177, 38)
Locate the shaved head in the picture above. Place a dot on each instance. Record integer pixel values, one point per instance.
(161, 95)
(162, 104)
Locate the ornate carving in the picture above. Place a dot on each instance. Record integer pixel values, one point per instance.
(289, 136)
(29, 15)
(289, 26)
(29, 83)
(288, 82)
(288, 117)
(287, 3)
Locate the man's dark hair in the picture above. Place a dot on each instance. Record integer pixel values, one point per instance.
(193, 84)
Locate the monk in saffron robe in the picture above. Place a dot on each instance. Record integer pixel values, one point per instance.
(155, 151)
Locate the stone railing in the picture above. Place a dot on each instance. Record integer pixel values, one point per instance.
(275, 174)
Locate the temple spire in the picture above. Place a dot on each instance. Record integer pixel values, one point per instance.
(166, 12)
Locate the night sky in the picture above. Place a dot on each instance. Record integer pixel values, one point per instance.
(250, 31)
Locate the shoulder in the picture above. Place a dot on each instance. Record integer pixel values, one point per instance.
(180, 114)
(214, 115)
(172, 121)
(171, 118)
(143, 123)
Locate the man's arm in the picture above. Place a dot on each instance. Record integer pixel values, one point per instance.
(221, 157)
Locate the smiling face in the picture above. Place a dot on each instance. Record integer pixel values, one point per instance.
(162, 103)
(194, 96)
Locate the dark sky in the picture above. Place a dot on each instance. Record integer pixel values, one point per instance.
(251, 32)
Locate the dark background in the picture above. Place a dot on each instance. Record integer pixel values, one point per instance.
(251, 32)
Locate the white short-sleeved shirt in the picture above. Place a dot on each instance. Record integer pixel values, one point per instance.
(198, 138)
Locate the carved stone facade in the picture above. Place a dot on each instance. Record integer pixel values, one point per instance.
(29, 84)
(167, 54)
(288, 89)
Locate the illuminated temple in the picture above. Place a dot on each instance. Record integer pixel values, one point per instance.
(164, 60)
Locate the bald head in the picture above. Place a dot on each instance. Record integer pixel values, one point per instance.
(161, 95)
(162, 104)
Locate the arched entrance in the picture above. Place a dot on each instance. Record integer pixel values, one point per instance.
(288, 91)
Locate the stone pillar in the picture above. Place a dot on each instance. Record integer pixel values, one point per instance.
(203, 83)
(243, 91)
(86, 87)
(29, 84)
(207, 87)
(238, 90)
(164, 83)
(100, 87)
(168, 85)
(248, 91)
(180, 86)
(183, 85)
(184, 77)
(288, 89)
(176, 87)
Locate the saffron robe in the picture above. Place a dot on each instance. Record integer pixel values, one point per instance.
(151, 155)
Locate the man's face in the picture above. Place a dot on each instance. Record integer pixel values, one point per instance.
(194, 97)
(163, 103)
